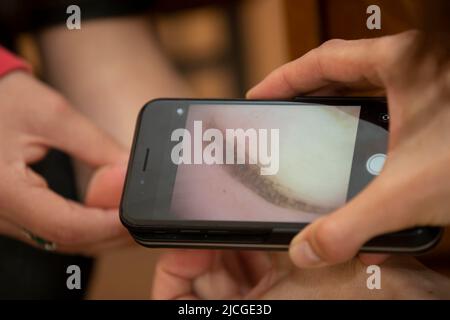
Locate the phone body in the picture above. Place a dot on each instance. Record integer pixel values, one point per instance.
(251, 174)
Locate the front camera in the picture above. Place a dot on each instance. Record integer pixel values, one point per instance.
(384, 117)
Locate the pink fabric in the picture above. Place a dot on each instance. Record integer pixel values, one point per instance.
(9, 62)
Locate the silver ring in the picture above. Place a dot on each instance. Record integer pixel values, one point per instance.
(40, 242)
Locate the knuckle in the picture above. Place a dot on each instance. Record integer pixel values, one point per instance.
(332, 44)
(391, 48)
(325, 51)
(284, 75)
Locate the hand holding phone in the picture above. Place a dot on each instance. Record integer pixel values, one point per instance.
(252, 174)
(413, 189)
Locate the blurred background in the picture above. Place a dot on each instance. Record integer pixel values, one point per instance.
(223, 48)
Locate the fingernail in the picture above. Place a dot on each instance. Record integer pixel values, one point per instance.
(250, 93)
(303, 255)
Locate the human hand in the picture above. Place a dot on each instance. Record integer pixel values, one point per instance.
(105, 186)
(202, 274)
(414, 186)
(34, 118)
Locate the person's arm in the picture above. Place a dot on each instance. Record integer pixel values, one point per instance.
(109, 69)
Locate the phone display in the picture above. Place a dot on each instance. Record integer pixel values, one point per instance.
(249, 173)
(296, 161)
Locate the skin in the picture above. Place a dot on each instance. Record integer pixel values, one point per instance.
(417, 165)
(33, 119)
(413, 189)
(107, 74)
(108, 71)
(120, 91)
(196, 274)
(79, 66)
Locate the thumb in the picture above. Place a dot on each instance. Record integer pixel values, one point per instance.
(337, 238)
(177, 271)
(105, 188)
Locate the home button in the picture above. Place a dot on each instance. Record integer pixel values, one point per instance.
(375, 163)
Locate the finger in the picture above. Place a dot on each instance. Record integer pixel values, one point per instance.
(105, 187)
(343, 90)
(338, 237)
(256, 263)
(62, 221)
(66, 129)
(355, 63)
(93, 249)
(176, 272)
(13, 231)
(16, 232)
(34, 179)
(10, 230)
(225, 279)
(227, 269)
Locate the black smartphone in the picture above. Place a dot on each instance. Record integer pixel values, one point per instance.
(252, 174)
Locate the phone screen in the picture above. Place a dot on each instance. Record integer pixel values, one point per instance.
(266, 162)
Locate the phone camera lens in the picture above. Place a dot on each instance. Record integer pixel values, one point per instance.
(385, 117)
(180, 111)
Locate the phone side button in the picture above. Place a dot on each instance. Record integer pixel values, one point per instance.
(285, 230)
(191, 231)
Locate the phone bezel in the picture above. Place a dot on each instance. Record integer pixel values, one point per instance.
(371, 108)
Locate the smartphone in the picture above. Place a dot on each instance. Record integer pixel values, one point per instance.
(252, 174)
